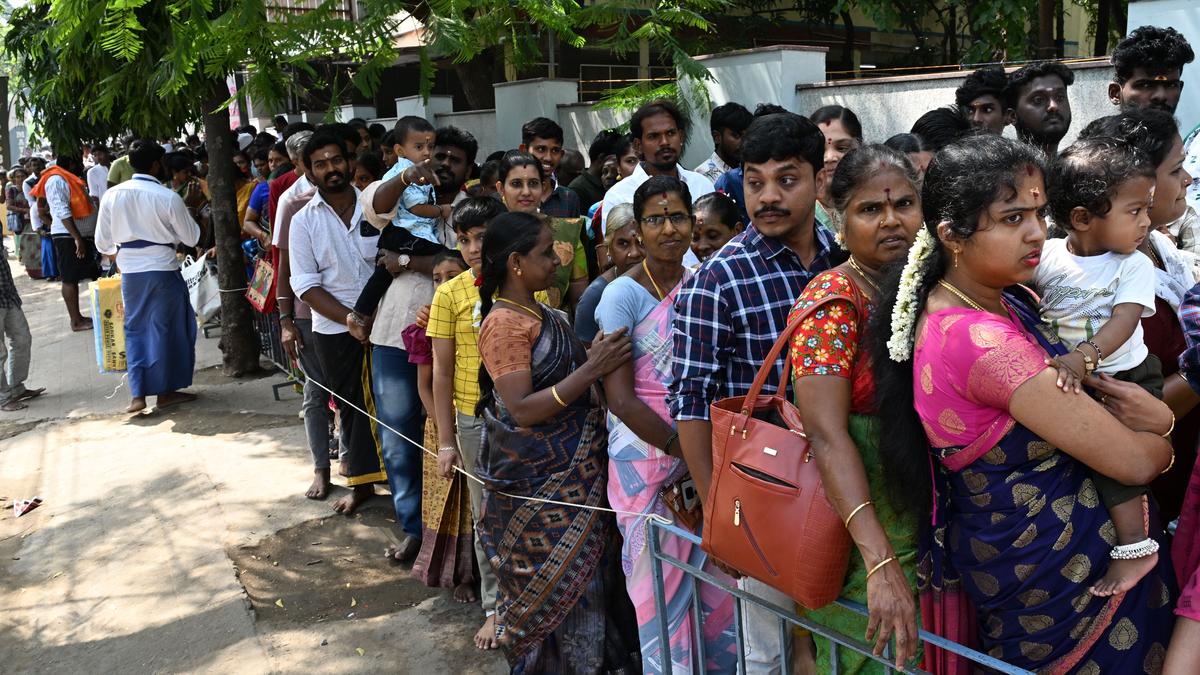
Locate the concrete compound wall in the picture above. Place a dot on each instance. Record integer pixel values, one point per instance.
(787, 75)
(889, 105)
(480, 123)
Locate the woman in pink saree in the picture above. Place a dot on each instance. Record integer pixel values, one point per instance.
(1019, 535)
(643, 447)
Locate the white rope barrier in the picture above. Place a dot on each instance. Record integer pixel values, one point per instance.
(421, 446)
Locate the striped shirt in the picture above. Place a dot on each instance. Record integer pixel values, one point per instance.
(1189, 317)
(728, 316)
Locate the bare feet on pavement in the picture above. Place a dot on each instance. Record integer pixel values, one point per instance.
(407, 550)
(84, 324)
(486, 637)
(348, 504)
(319, 489)
(138, 404)
(173, 398)
(465, 594)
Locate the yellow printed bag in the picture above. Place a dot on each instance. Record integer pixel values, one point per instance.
(108, 312)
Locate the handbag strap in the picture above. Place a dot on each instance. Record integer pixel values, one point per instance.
(784, 340)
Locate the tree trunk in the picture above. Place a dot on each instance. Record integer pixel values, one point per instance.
(848, 42)
(1103, 12)
(5, 145)
(1045, 48)
(1060, 31)
(475, 78)
(239, 344)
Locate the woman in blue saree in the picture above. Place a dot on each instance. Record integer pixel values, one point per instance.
(1019, 534)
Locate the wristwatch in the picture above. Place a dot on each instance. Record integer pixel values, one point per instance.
(403, 260)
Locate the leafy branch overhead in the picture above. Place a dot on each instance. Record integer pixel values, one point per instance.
(93, 69)
(461, 31)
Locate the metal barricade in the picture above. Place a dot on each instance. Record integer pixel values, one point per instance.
(270, 345)
(787, 618)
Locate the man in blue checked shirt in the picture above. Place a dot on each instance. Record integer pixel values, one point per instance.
(733, 309)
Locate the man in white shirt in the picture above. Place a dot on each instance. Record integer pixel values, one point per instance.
(140, 222)
(72, 227)
(296, 320)
(97, 176)
(331, 261)
(659, 129)
(727, 124)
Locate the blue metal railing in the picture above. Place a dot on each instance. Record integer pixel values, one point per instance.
(787, 618)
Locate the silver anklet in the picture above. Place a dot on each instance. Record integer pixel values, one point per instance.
(1141, 549)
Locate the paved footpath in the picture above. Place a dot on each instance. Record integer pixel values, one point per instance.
(131, 563)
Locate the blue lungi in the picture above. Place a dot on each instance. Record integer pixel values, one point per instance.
(160, 332)
(49, 260)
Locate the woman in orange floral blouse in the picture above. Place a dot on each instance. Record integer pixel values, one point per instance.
(874, 189)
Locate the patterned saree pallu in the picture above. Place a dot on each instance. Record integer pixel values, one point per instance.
(108, 312)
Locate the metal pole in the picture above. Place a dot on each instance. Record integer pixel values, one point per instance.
(660, 598)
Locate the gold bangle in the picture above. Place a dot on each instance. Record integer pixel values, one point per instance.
(853, 513)
(554, 393)
(881, 563)
(1169, 465)
(1168, 434)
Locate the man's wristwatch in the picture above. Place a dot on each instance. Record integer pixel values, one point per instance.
(403, 260)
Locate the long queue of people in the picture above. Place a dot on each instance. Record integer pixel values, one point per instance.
(991, 331)
(993, 346)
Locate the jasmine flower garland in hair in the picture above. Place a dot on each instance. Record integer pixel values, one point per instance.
(905, 312)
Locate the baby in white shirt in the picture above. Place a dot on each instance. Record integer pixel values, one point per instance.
(1095, 288)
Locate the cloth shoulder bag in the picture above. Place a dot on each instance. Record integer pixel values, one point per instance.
(766, 513)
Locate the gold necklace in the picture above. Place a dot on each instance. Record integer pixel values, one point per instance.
(527, 309)
(962, 296)
(657, 291)
(1154, 255)
(862, 273)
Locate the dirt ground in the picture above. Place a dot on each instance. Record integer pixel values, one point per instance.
(166, 539)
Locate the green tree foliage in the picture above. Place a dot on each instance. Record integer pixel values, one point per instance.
(462, 30)
(95, 69)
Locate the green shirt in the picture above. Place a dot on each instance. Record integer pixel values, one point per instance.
(120, 170)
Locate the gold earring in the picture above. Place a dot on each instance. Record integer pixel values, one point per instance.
(519, 271)
(956, 259)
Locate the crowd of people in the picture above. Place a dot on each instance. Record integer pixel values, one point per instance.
(993, 345)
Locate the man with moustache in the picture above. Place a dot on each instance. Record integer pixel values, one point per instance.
(393, 376)
(331, 261)
(1148, 69)
(659, 131)
(1148, 73)
(980, 99)
(729, 314)
(454, 152)
(140, 222)
(1037, 93)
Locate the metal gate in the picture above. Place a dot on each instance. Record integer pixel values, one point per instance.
(787, 618)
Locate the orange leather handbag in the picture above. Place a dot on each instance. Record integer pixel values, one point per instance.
(766, 513)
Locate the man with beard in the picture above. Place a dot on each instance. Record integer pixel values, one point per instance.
(1038, 95)
(731, 311)
(140, 222)
(1148, 69)
(454, 152)
(543, 138)
(331, 260)
(980, 99)
(727, 124)
(1147, 73)
(659, 132)
(393, 376)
